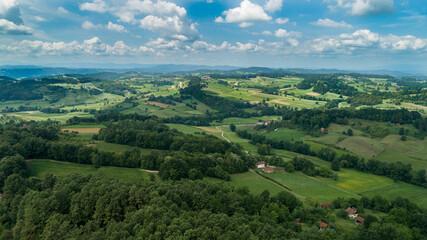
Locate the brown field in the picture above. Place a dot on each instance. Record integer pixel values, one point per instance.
(82, 130)
(279, 101)
(209, 129)
(162, 105)
(314, 94)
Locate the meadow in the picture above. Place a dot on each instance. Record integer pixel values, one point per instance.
(40, 167)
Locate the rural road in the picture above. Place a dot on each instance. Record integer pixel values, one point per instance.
(222, 134)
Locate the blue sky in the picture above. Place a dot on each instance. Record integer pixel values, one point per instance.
(345, 34)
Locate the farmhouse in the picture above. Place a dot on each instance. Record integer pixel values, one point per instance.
(360, 220)
(260, 164)
(268, 170)
(352, 212)
(322, 225)
(326, 204)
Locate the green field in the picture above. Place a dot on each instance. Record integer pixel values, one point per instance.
(255, 183)
(39, 168)
(309, 187)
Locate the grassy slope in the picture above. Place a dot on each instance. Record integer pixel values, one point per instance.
(40, 167)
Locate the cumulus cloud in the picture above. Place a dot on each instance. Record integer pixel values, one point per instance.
(95, 6)
(10, 19)
(115, 27)
(283, 33)
(331, 23)
(166, 18)
(110, 26)
(245, 14)
(364, 39)
(273, 5)
(7, 27)
(172, 27)
(363, 7)
(93, 46)
(89, 25)
(282, 20)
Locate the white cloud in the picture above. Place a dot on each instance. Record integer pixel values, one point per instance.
(95, 6)
(273, 5)
(267, 33)
(110, 26)
(282, 20)
(170, 27)
(8, 27)
(10, 19)
(62, 10)
(115, 27)
(93, 46)
(166, 18)
(282, 33)
(402, 43)
(89, 25)
(363, 7)
(364, 39)
(360, 38)
(245, 14)
(331, 23)
(40, 19)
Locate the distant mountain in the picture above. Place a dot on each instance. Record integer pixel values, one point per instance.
(104, 72)
(37, 71)
(4, 78)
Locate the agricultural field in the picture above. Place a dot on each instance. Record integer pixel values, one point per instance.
(40, 167)
(255, 183)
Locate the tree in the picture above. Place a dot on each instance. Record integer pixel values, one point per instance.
(369, 219)
(350, 132)
(420, 176)
(403, 138)
(402, 131)
(335, 165)
(232, 127)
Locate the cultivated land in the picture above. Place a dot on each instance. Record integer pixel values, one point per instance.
(160, 96)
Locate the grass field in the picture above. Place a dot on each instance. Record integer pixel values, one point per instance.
(39, 168)
(255, 183)
(362, 146)
(309, 187)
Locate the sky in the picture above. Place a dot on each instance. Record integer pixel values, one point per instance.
(341, 34)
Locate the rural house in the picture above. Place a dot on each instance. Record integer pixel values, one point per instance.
(352, 212)
(326, 204)
(360, 220)
(260, 164)
(322, 225)
(268, 170)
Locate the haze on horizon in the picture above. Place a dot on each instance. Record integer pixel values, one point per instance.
(343, 34)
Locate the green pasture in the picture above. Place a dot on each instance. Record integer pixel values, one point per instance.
(255, 183)
(39, 168)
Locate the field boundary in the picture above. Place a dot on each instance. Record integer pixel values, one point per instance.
(278, 184)
(351, 193)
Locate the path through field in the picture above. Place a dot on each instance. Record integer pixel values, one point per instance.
(222, 134)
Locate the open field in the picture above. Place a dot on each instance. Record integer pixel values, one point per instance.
(255, 183)
(40, 167)
(309, 187)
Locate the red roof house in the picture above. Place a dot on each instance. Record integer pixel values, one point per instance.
(326, 204)
(268, 170)
(322, 225)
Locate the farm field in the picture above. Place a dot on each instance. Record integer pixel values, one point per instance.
(39, 168)
(255, 183)
(309, 187)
